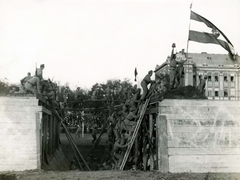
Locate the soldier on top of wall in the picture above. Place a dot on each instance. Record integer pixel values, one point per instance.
(39, 71)
(25, 79)
(202, 84)
(173, 66)
(33, 85)
(179, 76)
(144, 83)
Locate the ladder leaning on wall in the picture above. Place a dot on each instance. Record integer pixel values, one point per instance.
(142, 108)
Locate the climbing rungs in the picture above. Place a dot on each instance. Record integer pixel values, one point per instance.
(134, 135)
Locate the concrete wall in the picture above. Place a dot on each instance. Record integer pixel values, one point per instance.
(198, 136)
(20, 119)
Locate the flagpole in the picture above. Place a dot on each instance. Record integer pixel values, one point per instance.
(189, 30)
(136, 76)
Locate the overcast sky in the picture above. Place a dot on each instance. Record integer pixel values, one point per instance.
(88, 41)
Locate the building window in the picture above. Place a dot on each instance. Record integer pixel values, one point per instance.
(209, 78)
(216, 78)
(225, 79)
(216, 93)
(232, 78)
(225, 93)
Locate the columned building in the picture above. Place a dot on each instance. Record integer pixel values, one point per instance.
(223, 73)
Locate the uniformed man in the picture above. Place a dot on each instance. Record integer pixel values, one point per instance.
(50, 94)
(117, 154)
(39, 72)
(66, 94)
(173, 65)
(108, 92)
(118, 125)
(78, 132)
(144, 83)
(95, 94)
(135, 99)
(77, 93)
(129, 123)
(202, 84)
(33, 85)
(179, 79)
(25, 79)
(124, 93)
(94, 134)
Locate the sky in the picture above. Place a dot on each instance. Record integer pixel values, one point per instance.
(83, 42)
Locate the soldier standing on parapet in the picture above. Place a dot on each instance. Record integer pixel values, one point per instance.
(25, 79)
(179, 76)
(173, 65)
(144, 83)
(33, 85)
(202, 84)
(39, 72)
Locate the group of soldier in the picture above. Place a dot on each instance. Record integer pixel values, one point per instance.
(177, 73)
(122, 122)
(37, 85)
(32, 84)
(176, 70)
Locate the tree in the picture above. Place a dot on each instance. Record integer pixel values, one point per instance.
(4, 88)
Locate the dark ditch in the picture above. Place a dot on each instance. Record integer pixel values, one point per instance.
(7, 176)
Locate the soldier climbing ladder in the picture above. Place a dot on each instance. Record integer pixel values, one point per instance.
(142, 108)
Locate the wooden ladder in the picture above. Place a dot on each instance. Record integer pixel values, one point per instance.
(143, 109)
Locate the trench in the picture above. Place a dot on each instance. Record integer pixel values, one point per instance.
(84, 145)
(7, 176)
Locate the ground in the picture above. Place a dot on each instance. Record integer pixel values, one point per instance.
(114, 175)
(84, 145)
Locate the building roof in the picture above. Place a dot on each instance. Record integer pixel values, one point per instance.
(204, 59)
(212, 59)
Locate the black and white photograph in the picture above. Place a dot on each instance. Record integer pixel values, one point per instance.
(120, 89)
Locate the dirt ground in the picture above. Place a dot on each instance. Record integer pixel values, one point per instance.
(84, 145)
(114, 175)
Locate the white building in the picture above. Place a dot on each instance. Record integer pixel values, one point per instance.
(223, 73)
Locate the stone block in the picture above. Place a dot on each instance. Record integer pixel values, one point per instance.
(18, 133)
(198, 130)
(204, 163)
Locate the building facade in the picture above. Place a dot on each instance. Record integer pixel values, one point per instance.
(222, 72)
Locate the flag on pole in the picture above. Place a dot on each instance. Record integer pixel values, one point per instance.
(135, 74)
(210, 37)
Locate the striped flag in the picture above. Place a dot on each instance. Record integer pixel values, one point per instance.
(213, 36)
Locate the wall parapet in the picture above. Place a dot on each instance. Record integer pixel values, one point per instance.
(28, 133)
(200, 136)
